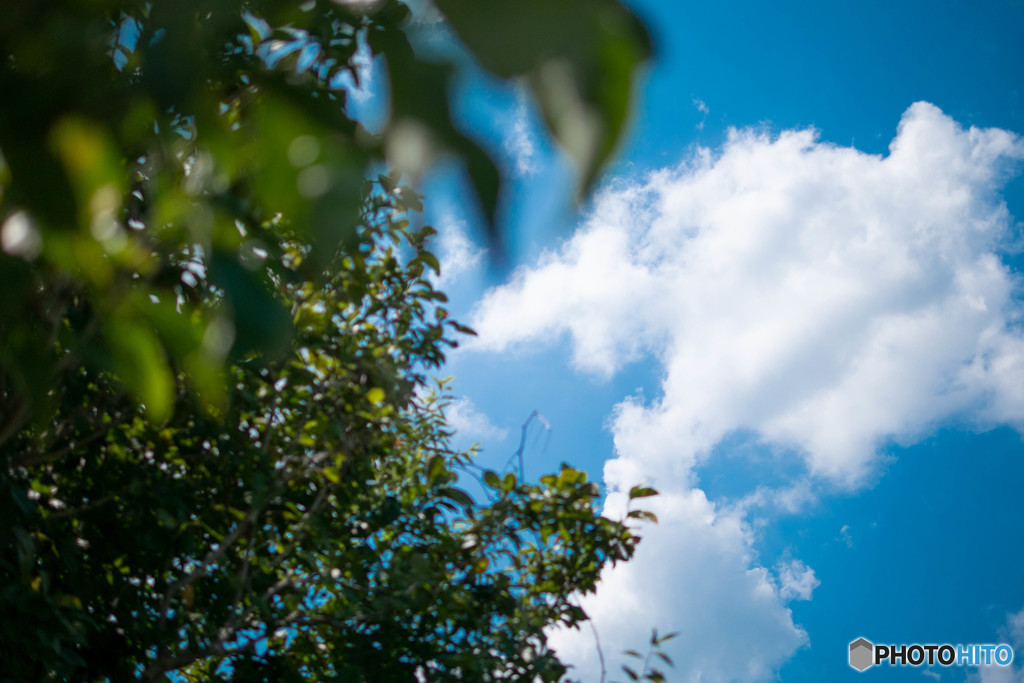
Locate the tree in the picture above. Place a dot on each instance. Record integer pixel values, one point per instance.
(219, 453)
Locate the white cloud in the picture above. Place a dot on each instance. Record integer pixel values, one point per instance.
(1012, 633)
(827, 300)
(702, 107)
(693, 573)
(796, 580)
(793, 497)
(520, 141)
(470, 424)
(456, 251)
(997, 674)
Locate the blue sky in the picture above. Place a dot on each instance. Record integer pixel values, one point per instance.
(794, 306)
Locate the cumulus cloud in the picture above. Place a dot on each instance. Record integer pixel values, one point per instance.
(827, 300)
(694, 573)
(470, 424)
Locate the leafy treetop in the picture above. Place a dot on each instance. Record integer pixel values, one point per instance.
(313, 529)
(219, 454)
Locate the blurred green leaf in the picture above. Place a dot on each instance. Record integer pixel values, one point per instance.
(646, 515)
(641, 492)
(582, 56)
(138, 360)
(261, 322)
(457, 495)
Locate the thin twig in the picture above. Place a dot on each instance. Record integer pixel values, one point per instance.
(32, 460)
(522, 443)
(600, 652)
(75, 512)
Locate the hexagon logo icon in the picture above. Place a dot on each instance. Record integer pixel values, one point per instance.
(861, 654)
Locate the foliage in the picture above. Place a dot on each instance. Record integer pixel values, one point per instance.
(218, 453)
(137, 136)
(648, 670)
(313, 529)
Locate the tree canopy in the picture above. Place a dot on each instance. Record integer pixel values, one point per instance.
(221, 454)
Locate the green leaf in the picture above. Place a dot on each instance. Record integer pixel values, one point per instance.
(423, 121)
(583, 58)
(643, 514)
(260, 320)
(463, 329)
(435, 468)
(430, 260)
(138, 360)
(641, 492)
(457, 495)
(483, 174)
(492, 480)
